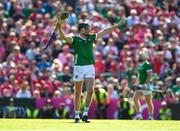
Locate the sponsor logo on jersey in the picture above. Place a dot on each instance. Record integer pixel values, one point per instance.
(76, 76)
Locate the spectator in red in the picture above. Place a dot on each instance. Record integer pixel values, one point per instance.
(16, 55)
(99, 64)
(7, 93)
(169, 97)
(157, 62)
(57, 94)
(2, 51)
(36, 94)
(46, 91)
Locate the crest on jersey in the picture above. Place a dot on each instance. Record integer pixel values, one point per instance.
(76, 76)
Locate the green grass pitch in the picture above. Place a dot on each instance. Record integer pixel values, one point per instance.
(95, 125)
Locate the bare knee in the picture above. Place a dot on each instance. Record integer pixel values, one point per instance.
(149, 102)
(90, 91)
(77, 94)
(137, 96)
(135, 99)
(148, 99)
(78, 89)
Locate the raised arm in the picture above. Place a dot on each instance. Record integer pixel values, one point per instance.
(63, 36)
(111, 28)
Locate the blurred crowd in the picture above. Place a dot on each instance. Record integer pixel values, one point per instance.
(26, 70)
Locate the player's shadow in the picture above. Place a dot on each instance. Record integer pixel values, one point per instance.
(73, 122)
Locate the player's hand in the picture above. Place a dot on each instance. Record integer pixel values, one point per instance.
(123, 21)
(59, 22)
(62, 15)
(58, 16)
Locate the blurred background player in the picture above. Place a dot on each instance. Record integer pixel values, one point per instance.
(84, 59)
(144, 76)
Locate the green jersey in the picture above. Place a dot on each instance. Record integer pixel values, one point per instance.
(83, 50)
(176, 89)
(142, 70)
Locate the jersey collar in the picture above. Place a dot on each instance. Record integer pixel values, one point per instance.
(82, 37)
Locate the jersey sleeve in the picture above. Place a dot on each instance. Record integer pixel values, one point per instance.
(73, 39)
(93, 37)
(148, 67)
(122, 27)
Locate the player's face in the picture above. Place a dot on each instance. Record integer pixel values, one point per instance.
(141, 58)
(85, 30)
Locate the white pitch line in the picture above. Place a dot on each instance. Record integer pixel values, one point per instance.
(87, 130)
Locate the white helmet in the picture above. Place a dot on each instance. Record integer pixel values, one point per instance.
(143, 55)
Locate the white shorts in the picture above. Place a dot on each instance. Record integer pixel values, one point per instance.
(81, 72)
(146, 92)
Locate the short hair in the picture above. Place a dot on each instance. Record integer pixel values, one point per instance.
(83, 25)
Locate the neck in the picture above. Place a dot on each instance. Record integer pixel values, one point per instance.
(83, 35)
(141, 61)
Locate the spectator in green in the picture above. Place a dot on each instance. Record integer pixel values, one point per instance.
(101, 101)
(125, 110)
(32, 112)
(176, 88)
(10, 111)
(13, 111)
(47, 111)
(62, 112)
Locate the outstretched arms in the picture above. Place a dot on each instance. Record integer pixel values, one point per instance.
(110, 29)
